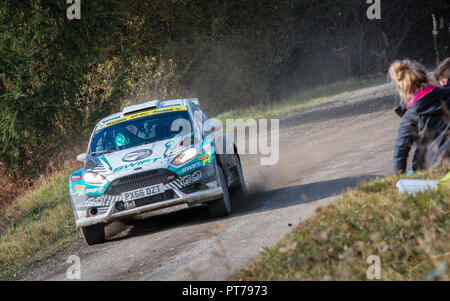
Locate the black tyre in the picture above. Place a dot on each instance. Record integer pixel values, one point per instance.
(93, 234)
(222, 206)
(241, 188)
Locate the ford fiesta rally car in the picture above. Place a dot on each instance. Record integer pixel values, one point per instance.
(153, 157)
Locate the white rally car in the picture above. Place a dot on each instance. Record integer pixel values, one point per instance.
(150, 157)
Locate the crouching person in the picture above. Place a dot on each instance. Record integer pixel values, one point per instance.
(426, 123)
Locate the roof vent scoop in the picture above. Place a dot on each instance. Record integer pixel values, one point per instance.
(141, 107)
(195, 100)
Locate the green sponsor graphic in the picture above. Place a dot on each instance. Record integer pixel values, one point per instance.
(171, 144)
(106, 161)
(131, 165)
(202, 160)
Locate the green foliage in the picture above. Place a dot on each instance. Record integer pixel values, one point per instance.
(36, 225)
(236, 54)
(43, 56)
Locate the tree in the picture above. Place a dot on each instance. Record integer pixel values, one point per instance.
(43, 56)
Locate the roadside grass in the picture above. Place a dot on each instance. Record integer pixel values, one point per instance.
(35, 225)
(306, 98)
(410, 234)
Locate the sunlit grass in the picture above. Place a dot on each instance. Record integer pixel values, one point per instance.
(308, 97)
(411, 235)
(35, 225)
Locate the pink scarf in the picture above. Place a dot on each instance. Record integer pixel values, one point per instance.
(421, 93)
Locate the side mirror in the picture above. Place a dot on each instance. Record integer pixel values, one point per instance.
(82, 157)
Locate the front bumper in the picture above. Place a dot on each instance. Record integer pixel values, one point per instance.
(190, 199)
(199, 187)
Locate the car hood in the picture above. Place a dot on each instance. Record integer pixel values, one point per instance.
(137, 159)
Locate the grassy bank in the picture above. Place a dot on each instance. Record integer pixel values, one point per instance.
(35, 225)
(308, 97)
(411, 235)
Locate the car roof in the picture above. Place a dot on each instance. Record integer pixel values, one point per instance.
(154, 104)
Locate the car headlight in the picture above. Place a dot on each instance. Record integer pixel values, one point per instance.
(185, 156)
(93, 178)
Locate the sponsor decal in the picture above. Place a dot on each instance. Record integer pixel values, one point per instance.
(186, 180)
(100, 201)
(191, 167)
(93, 190)
(75, 178)
(79, 189)
(106, 161)
(136, 164)
(144, 114)
(137, 155)
(169, 145)
(206, 161)
(203, 157)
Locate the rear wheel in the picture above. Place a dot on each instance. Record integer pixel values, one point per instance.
(222, 206)
(93, 234)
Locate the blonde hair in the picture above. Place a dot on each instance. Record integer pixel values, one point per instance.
(410, 76)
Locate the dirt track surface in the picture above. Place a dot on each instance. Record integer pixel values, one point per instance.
(323, 151)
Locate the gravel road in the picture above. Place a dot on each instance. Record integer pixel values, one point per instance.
(323, 150)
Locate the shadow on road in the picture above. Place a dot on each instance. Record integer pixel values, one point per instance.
(295, 195)
(254, 202)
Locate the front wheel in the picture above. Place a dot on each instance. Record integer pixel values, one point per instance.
(222, 206)
(94, 234)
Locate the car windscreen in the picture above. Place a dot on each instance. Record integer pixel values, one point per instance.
(139, 131)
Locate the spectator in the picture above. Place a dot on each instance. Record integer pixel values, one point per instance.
(443, 73)
(426, 123)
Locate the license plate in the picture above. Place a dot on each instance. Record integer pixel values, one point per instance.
(142, 193)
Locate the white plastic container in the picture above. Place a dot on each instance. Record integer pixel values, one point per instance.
(415, 186)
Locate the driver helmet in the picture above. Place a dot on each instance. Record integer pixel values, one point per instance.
(121, 141)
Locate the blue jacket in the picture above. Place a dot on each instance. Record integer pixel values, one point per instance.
(426, 126)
